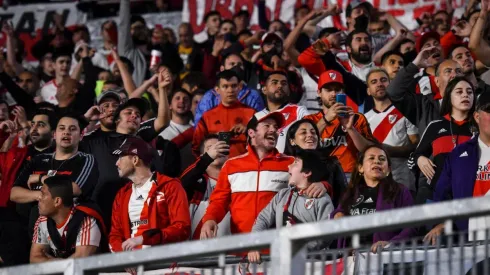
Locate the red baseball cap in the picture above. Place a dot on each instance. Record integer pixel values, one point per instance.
(424, 37)
(330, 76)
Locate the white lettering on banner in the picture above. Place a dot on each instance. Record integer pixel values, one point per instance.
(404, 10)
(31, 21)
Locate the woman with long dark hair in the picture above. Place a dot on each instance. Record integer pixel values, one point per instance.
(373, 189)
(443, 135)
(304, 135)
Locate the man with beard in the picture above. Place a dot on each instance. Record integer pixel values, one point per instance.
(391, 128)
(127, 119)
(246, 95)
(342, 130)
(66, 160)
(276, 91)
(229, 116)
(180, 131)
(360, 51)
(199, 181)
(251, 179)
(103, 112)
(152, 208)
(462, 55)
(420, 107)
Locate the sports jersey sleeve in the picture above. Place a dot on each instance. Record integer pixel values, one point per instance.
(219, 202)
(147, 130)
(411, 129)
(87, 174)
(424, 148)
(23, 177)
(267, 217)
(302, 112)
(89, 233)
(180, 221)
(362, 125)
(40, 235)
(199, 135)
(312, 63)
(116, 236)
(193, 173)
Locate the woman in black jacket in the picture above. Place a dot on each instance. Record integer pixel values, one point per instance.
(304, 135)
(443, 135)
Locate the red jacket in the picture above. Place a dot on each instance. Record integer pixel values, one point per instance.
(168, 218)
(10, 163)
(222, 119)
(245, 186)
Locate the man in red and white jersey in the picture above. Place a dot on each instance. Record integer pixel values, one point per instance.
(153, 209)
(180, 131)
(62, 64)
(276, 90)
(391, 128)
(64, 230)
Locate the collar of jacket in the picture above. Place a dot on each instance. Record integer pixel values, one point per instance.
(273, 154)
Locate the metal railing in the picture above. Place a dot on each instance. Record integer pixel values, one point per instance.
(287, 253)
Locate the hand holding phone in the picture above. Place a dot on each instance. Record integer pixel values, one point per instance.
(226, 137)
(341, 98)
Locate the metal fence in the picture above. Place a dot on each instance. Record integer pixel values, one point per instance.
(289, 256)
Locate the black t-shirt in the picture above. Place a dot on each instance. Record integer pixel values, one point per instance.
(365, 203)
(82, 168)
(102, 145)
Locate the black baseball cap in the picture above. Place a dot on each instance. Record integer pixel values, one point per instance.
(135, 146)
(139, 103)
(483, 102)
(108, 94)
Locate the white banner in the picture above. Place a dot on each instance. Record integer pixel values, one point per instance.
(405, 10)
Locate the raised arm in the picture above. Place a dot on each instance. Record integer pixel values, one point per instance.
(127, 78)
(138, 92)
(391, 45)
(124, 41)
(477, 44)
(163, 115)
(11, 45)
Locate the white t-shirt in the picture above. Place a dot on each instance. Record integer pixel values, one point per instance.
(89, 233)
(48, 92)
(481, 188)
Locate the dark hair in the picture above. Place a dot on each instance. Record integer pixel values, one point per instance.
(211, 13)
(195, 79)
(137, 18)
(226, 75)
(179, 90)
(113, 82)
(388, 185)
(105, 23)
(244, 32)
(206, 138)
(297, 9)
(198, 92)
(128, 63)
(327, 31)
(267, 75)
(46, 105)
(404, 41)
(61, 187)
(311, 159)
(289, 149)
(52, 119)
(446, 105)
(223, 60)
(390, 53)
(454, 47)
(227, 21)
(348, 40)
(61, 52)
(82, 122)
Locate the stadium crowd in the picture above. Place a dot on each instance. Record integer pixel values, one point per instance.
(156, 139)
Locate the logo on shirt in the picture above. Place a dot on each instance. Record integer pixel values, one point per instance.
(139, 198)
(333, 76)
(392, 118)
(309, 203)
(442, 131)
(334, 141)
(464, 154)
(160, 196)
(217, 122)
(45, 160)
(358, 201)
(286, 116)
(279, 181)
(135, 151)
(138, 223)
(369, 200)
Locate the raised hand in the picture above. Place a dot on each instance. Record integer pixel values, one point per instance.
(320, 47)
(422, 59)
(8, 28)
(20, 116)
(164, 79)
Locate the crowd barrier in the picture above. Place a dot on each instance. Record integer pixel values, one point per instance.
(288, 255)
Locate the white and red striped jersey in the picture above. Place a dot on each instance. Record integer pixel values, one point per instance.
(48, 92)
(392, 128)
(89, 233)
(138, 208)
(292, 113)
(197, 209)
(182, 136)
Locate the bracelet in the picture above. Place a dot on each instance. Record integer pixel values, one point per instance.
(326, 121)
